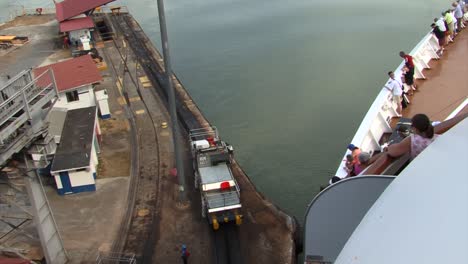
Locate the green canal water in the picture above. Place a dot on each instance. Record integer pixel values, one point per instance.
(287, 82)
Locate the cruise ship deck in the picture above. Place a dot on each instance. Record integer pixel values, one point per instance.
(442, 95)
(446, 84)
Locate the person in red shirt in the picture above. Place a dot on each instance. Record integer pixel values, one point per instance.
(185, 254)
(408, 63)
(65, 42)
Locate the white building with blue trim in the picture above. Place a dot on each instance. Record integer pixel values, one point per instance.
(75, 161)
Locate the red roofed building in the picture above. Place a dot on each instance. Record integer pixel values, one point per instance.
(71, 8)
(76, 24)
(74, 78)
(78, 29)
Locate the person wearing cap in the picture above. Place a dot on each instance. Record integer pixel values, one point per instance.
(355, 151)
(185, 254)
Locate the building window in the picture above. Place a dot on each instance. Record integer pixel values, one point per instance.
(72, 96)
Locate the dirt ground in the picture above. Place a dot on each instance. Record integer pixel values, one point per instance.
(114, 159)
(28, 20)
(88, 221)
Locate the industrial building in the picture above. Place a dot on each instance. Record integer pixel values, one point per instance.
(75, 161)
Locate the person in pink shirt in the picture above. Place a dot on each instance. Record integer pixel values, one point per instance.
(423, 135)
(364, 159)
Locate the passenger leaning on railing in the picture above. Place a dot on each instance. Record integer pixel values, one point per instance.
(355, 151)
(349, 166)
(440, 35)
(395, 87)
(450, 21)
(458, 13)
(364, 159)
(423, 135)
(409, 63)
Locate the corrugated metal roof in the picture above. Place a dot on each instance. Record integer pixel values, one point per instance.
(421, 217)
(72, 73)
(74, 150)
(75, 24)
(71, 8)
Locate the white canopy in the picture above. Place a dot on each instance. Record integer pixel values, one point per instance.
(422, 216)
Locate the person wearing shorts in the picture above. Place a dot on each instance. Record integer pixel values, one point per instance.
(409, 63)
(448, 17)
(440, 35)
(394, 86)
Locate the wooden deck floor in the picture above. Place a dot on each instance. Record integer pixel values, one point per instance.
(446, 84)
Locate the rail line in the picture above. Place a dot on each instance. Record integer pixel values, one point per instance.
(226, 240)
(121, 237)
(137, 228)
(227, 245)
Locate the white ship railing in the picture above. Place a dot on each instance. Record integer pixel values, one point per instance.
(377, 120)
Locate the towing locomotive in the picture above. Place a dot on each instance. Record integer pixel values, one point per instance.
(219, 190)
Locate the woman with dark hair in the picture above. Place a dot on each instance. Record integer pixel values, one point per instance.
(423, 135)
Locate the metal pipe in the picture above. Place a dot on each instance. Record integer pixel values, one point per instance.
(172, 105)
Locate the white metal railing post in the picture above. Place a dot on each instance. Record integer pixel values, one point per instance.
(52, 77)
(26, 104)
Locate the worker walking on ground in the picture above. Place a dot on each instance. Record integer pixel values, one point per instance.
(66, 42)
(185, 254)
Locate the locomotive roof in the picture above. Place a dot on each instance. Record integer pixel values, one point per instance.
(213, 174)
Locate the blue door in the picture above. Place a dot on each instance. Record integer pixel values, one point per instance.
(65, 179)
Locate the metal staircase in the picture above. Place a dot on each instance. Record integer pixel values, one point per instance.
(23, 106)
(25, 101)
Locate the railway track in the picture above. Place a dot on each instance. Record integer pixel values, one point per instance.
(137, 230)
(226, 243)
(119, 241)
